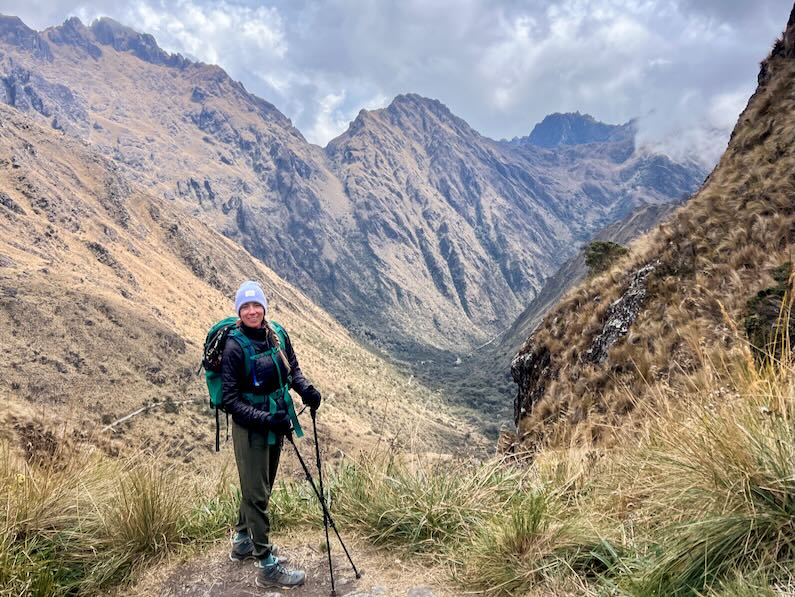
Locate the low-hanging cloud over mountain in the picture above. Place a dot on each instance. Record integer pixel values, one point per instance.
(685, 68)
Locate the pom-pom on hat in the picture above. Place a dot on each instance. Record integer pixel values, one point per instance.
(250, 292)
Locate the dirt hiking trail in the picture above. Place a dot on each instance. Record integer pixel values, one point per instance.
(214, 575)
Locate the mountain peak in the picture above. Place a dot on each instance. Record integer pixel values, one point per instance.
(74, 33)
(408, 110)
(16, 33)
(415, 102)
(572, 128)
(143, 45)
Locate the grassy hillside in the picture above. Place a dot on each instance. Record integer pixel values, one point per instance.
(106, 296)
(683, 290)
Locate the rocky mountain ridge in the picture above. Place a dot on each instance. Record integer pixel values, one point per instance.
(574, 128)
(405, 226)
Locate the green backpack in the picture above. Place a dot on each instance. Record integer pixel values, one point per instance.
(214, 344)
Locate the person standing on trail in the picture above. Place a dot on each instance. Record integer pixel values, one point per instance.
(258, 368)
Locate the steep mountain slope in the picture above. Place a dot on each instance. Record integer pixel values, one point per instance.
(106, 293)
(483, 221)
(406, 226)
(682, 295)
(481, 378)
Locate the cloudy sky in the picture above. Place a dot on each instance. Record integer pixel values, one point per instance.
(684, 67)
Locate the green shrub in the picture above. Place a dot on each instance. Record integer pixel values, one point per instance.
(600, 255)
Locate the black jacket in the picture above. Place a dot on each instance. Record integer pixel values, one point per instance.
(236, 383)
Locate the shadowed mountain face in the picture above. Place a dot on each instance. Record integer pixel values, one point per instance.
(410, 227)
(687, 298)
(574, 129)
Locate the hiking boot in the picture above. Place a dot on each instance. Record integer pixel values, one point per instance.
(271, 574)
(242, 547)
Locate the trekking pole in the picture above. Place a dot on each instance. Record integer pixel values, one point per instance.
(322, 503)
(313, 412)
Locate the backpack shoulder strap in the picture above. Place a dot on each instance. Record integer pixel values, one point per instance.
(241, 338)
(280, 332)
(246, 345)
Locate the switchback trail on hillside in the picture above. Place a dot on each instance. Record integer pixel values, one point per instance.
(214, 575)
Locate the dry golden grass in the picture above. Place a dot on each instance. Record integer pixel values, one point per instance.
(714, 254)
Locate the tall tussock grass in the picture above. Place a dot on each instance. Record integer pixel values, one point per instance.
(717, 479)
(498, 528)
(79, 523)
(697, 497)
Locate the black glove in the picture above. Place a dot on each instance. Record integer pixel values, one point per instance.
(278, 422)
(311, 397)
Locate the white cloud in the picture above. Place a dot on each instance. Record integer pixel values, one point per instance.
(327, 123)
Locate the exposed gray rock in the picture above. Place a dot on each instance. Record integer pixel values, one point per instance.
(15, 32)
(9, 203)
(74, 33)
(532, 371)
(117, 190)
(200, 191)
(620, 315)
(29, 92)
(105, 257)
(123, 39)
(198, 95)
(21, 94)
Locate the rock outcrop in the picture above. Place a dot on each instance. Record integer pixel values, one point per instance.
(620, 316)
(532, 371)
(16, 34)
(123, 39)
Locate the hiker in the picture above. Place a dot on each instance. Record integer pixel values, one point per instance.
(255, 396)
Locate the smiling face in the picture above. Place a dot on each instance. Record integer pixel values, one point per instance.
(252, 315)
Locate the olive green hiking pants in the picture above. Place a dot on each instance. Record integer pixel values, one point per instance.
(257, 463)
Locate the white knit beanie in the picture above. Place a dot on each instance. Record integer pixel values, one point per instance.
(250, 292)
